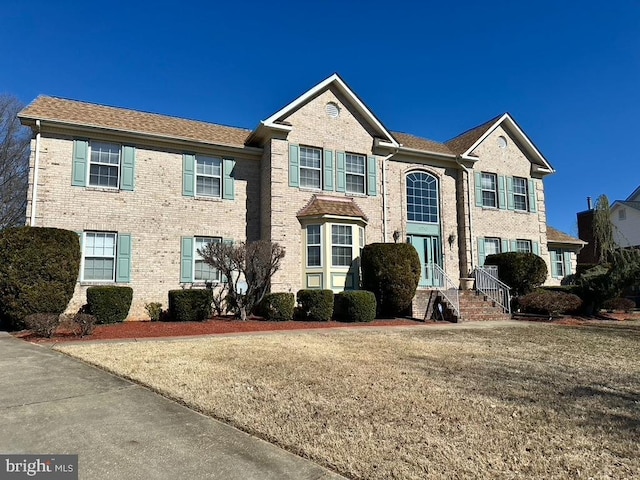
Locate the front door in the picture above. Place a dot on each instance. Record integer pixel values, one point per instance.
(428, 247)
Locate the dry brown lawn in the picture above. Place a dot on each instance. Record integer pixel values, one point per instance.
(511, 401)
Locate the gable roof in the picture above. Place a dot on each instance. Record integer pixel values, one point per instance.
(635, 205)
(74, 113)
(635, 195)
(320, 205)
(465, 143)
(422, 144)
(333, 81)
(556, 236)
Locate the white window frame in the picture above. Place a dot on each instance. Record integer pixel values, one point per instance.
(520, 242)
(622, 214)
(91, 163)
(348, 173)
(217, 160)
(114, 257)
(341, 245)
(494, 192)
(555, 263)
(198, 258)
(492, 241)
(306, 167)
(523, 196)
(314, 245)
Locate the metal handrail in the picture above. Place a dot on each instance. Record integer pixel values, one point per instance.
(447, 288)
(493, 288)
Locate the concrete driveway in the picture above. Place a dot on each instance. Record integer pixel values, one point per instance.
(52, 404)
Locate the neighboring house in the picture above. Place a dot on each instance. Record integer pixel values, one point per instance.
(563, 252)
(322, 176)
(625, 216)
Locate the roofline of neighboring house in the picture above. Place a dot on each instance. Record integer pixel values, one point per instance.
(170, 139)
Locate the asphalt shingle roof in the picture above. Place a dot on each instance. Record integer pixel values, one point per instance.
(339, 206)
(462, 142)
(556, 236)
(423, 144)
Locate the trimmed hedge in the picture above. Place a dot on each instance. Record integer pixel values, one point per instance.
(315, 305)
(277, 307)
(523, 272)
(190, 305)
(38, 272)
(620, 303)
(355, 306)
(109, 304)
(392, 272)
(550, 302)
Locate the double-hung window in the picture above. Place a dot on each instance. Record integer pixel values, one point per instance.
(314, 246)
(99, 256)
(491, 246)
(310, 167)
(520, 194)
(104, 165)
(523, 246)
(202, 271)
(208, 176)
(489, 190)
(355, 173)
(341, 245)
(557, 263)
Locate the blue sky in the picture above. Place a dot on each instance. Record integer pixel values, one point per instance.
(568, 72)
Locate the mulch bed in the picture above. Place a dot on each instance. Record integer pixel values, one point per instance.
(133, 330)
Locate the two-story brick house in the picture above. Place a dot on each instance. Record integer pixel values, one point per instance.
(323, 176)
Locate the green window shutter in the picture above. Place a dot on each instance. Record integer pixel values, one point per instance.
(294, 166)
(505, 246)
(532, 196)
(514, 246)
(372, 176)
(502, 195)
(478, 189)
(80, 160)
(510, 193)
(341, 179)
(228, 186)
(536, 248)
(186, 260)
(480, 251)
(567, 262)
(328, 170)
(127, 171)
(188, 175)
(123, 262)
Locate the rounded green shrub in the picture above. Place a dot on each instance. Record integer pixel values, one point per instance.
(109, 304)
(38, 272)
(315, 305)
(355, 306)
(550, 302)
(523, 272)
(620, 303)
(190, 305)
(277, 307)
(392, 272)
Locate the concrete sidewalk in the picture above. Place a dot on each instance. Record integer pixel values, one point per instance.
(52, 404)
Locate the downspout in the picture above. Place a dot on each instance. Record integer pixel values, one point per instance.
(384, 195)
(36, 168)
(470, 211)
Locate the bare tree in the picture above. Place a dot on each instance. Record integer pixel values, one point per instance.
(248, 268)
(14, 163)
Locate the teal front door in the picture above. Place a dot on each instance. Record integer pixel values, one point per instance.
(428, 247)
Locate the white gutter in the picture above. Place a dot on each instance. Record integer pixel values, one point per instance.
(384, 194)
(470, 211)
(36, 167)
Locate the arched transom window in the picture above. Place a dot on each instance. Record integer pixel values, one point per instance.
(422, 197)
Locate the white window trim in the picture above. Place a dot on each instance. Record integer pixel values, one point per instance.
(529, 243)
(494, 191)
(319, 169)
(490, 240)
(319, 245)
(555, 262)
(115, 257)
(525, 195)
(346, 245)
(91, 162)
(363, 175)
(196, 175)
(437, 189)
(197, 257)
